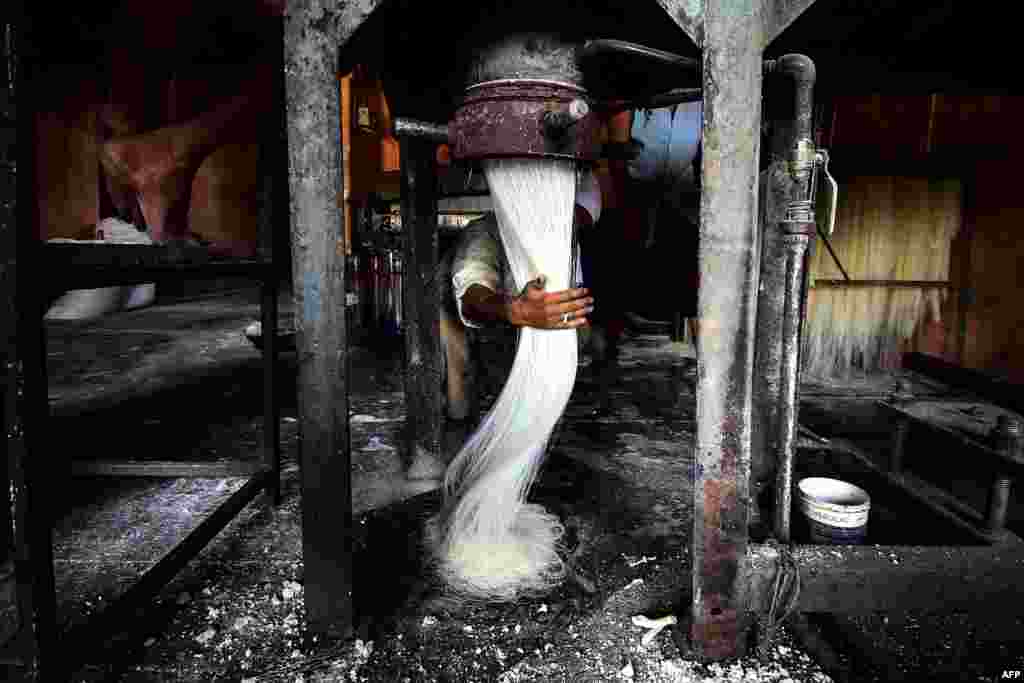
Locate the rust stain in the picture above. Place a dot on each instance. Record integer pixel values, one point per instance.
(730, 446)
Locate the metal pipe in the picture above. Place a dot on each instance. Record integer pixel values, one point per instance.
(1007, 435)
(796, 247)
(413, 128)
(898, 447)
(665, 99)
(796, 230)
(623, 50)
(901, 395)
(800, 69)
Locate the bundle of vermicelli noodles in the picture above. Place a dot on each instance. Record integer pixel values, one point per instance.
(487, 542)
(890, 228)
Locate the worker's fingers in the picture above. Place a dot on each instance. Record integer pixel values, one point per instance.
(572, 318)
(570, 324)
(571, 307)
(565, 295)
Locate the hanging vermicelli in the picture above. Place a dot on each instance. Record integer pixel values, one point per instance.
(890, 228)
(489, 543)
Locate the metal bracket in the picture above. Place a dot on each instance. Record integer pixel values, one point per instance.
(831, 188)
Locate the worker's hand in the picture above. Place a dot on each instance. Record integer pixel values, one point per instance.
(566, 309)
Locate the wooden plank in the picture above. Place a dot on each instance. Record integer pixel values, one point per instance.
(165, 468)
(318, 271)
(839, 284)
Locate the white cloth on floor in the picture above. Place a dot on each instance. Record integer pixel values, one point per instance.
(86, 304)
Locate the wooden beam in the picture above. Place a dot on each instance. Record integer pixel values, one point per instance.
(918, 284)
(318, 265)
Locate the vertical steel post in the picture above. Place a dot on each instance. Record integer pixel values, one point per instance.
(271, 412)
(8, 289)
(421, 302)
(37, 599)
(1009, 439)
(732, 75)
(796, 245)
(902, 394)
(312, 37)
(272, 219)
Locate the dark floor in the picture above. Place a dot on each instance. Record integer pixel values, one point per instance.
(182, 382)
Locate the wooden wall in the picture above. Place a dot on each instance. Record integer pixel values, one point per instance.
(976, 139)
(67, 169)
(224, 192)
(163, 63)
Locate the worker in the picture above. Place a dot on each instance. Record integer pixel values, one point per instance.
(477, 289)
(644, 254)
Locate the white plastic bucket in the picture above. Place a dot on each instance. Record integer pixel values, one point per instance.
(836, 511)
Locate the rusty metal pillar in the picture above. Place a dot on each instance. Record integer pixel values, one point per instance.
(729, 255)
(421, 299)
(732, 36)
(311, 42)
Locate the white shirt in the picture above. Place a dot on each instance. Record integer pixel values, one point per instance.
(478, 258)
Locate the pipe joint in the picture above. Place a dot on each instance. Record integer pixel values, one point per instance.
(435, 132)
(796, 66)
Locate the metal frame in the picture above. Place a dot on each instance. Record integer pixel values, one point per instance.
(55, 654)
(732, 578)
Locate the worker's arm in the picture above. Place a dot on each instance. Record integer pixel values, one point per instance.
(533, 308)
